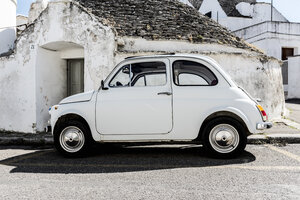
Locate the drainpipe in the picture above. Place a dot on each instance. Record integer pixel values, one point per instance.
(271, 10)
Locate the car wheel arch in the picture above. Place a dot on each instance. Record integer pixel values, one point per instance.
(68, 117)
(221, 114)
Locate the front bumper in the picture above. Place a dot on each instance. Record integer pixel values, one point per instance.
(48, 128)
(264, 125)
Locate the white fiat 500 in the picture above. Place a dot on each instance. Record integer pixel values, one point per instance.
(163, 99)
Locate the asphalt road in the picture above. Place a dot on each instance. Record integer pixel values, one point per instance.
(169, 172)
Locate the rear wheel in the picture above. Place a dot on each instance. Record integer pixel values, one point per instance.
(224, 138)
(72, 138)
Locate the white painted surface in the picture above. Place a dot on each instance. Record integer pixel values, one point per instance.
(72, 53)
(51, 79)
(8, 11)
(36, 9)
(255, 13)
(272, 36)
(82, 97)
(135, 110)
(294, 74)
(17, 89)
(262, 12)
(26, 77)
(135, 45)
(214, 7)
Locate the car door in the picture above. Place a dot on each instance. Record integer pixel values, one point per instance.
(198, 88)
(138, 99)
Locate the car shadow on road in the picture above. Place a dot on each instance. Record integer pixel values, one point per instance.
(116, 159)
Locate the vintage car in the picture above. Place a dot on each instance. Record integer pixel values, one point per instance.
(160, 99)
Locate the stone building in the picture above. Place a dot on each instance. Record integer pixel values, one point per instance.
(265, 27)
(70, 46)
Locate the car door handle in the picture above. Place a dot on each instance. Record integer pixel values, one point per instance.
(164, 93)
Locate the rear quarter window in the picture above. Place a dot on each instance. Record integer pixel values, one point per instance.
(190, 73)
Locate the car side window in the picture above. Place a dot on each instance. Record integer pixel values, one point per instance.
(122, 78)
(140, 75)
(189, 73)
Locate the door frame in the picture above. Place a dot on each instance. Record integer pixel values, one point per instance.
(69, 74)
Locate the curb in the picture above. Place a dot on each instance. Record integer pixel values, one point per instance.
(47, 139)
(26, 139)
(274, 139)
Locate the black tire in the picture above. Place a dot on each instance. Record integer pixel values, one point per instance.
(67, 148)
(218, 137)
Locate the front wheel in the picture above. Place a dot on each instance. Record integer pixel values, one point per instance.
(72, 139)
(224, 138)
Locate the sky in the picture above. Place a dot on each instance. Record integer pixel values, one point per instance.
(23, 6)
(289, 8)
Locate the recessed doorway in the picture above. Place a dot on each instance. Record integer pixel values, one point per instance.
(75, 76)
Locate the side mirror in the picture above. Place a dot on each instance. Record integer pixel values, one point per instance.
(258, 100)
(126, 70)
(102, 86)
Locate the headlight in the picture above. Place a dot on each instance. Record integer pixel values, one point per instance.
(53, 108)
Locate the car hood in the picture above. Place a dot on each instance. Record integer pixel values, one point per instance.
(82, 97)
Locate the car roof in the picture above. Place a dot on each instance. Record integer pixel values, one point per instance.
(169, 55)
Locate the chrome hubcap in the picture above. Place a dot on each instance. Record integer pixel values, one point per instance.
(71, 139)
(224, 138)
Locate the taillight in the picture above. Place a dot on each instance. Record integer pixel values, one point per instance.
(262, 112)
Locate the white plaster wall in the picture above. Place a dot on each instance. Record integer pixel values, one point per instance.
(138, 44)
(75, 26)
(214, 7)
(294, 75)
(272, 45)
(51, 79)
(236, 23)
(27, 91)
(257, 13)
(272, 36)
(262, 12)
(8, 9)
(17, 83)
(36, 9)
(72, 53)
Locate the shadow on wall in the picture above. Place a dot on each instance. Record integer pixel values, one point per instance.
(116, 159)
(293, 101)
